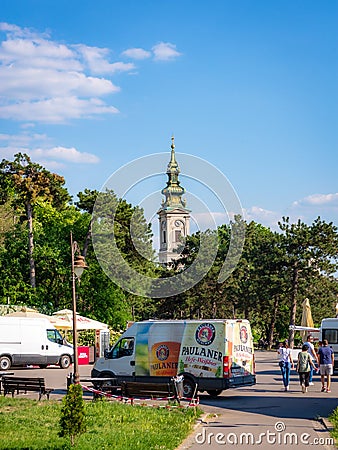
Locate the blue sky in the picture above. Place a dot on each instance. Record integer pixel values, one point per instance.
(250, 86)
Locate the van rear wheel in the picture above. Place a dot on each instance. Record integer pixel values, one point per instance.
(215, 392)
(5, 363)
(189, 388)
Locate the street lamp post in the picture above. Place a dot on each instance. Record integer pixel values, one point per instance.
(78, 266)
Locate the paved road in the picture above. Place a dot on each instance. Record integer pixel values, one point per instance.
(267, 410)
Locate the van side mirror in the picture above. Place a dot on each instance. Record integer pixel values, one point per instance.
(106, 354)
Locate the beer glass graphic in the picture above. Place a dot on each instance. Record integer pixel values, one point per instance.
(164, 344)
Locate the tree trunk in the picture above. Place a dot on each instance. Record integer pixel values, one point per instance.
(273, 322)
(31, 245)
(88, 238)
(293, 309)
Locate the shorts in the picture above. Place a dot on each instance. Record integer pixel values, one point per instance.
(326, 369)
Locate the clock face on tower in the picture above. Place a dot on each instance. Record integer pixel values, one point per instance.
(178, 223)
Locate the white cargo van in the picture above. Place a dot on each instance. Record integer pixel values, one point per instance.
(32, 341)
(329, 331)
(214, 354)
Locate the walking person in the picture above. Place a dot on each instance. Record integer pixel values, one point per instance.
(326, 360)
(285, 363)
(313, 354)
(304, 364)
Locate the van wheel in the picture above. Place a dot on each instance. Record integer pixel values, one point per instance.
(189, 388)
(104, 383)
(65, 361)
(215, 392)
(5, 363)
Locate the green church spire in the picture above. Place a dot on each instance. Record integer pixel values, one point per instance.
(173, 191)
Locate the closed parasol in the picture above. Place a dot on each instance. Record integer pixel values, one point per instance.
(307, 320)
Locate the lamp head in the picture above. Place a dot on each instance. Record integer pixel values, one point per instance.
(79, 266)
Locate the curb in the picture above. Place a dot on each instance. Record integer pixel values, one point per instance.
(327, 424)
(188, 440)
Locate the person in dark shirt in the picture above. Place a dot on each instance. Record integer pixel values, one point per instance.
(326, 360)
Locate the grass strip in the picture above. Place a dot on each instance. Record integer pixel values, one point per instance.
(30, 424)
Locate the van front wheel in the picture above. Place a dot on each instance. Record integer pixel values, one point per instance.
(5, 363)
(65, 361)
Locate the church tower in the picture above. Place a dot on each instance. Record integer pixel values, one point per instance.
(174, 217)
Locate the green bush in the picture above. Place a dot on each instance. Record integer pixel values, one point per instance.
(73, 420)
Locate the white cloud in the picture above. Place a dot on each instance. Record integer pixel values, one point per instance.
(38, 53)
(263, 216)
(51, 165)
(34, 84)
(39, 148)
(318, 200)
(23, 140)
(137, 53)
(66, 154)
(164, 51)
(96, 59)
(56, 110)
(45, 81)
(42, 80)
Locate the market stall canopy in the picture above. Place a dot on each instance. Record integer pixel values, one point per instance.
(29, 312)
(63, 320)
(34, 314)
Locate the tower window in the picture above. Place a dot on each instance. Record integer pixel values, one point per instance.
(178, 235)
(164, 237)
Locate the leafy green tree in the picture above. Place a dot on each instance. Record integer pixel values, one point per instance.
(25, 183)
(8, 218)
(122, 243)
(261, 287)
(311, 253)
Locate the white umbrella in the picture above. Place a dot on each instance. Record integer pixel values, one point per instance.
(63, 319)
(34, 314)
(28, 313)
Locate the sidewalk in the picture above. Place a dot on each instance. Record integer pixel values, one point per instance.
(264, 416)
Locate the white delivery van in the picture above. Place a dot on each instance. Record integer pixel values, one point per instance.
(329, 331)
(214, 354)
(32, 341)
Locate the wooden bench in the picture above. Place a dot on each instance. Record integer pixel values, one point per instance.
(131, 389)
(16, 384)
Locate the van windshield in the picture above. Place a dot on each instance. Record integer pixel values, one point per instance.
(124, 347)
(54, 336)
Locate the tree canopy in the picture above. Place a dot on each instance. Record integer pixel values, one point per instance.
(276, 271)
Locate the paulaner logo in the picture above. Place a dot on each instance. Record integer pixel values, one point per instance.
(205, 334)
(162, 352)
(243, 334)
